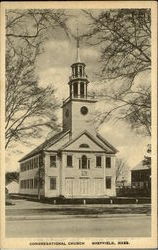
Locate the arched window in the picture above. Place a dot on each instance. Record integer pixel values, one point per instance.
(84, 145)
(82, 89)
(84, 162)
(75, 89)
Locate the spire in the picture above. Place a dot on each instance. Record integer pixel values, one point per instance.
(78, 48)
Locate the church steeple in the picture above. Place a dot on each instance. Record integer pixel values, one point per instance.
(78, 80)
(78, 108)
(78, 48)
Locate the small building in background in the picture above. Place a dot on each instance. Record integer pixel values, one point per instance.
(141, 176)
(12, 187)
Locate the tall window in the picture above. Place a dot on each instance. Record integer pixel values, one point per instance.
(69, 161)
(53, 183)
(108, 162)
(53, 161)
(108, 182)
(84, 162)
(98, 161)
(75, 89)
(82, 89)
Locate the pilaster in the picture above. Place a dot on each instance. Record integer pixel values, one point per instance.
(104, 172)
(62, 173)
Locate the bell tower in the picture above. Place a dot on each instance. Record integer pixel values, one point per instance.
(79, 106)
(78, 80)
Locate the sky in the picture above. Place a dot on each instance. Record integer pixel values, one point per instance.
(53, 67)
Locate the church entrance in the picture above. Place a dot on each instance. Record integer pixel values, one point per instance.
(84, 186)
(77, 187)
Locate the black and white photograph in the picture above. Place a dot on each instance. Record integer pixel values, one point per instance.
(79, 90)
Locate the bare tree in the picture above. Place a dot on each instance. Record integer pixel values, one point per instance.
(40, 176)
(123, 38)
(11, 176)
(122, 170)
(134, 107)
(28, 106)
(147, 157)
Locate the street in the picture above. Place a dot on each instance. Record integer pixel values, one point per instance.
(134, 226)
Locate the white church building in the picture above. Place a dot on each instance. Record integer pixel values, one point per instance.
(77, 162)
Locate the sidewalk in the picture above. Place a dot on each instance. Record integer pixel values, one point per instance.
(25, 204)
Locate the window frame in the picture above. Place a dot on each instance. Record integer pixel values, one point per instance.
(87, 162)
(53, 164)
(68, 165)
(107, 164)
(97, 157)
(108, 178)
(51, 187)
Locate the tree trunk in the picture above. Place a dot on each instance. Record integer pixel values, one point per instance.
(39, 186)
(39, 192)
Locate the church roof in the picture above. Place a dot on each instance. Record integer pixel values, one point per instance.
(141, 166)
(105, 145)
(45, 144)
(98, 139)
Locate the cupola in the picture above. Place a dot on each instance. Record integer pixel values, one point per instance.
(78, 80)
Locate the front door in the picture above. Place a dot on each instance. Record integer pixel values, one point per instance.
(84, 186)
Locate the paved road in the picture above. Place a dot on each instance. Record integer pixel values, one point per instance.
(79, 227)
